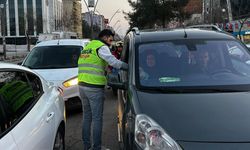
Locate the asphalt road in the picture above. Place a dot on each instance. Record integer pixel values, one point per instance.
(73, 137)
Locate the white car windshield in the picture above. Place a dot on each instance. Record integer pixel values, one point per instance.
(51, 57)
(193, 63)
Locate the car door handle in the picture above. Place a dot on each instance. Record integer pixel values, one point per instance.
(50, 116)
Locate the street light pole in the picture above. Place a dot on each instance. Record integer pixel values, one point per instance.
(117, 11)
(91, 17)
(118, 28)
(91, 21)
(116, 23)
(229, 10)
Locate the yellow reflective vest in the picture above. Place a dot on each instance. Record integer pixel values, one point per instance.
(91, 68)
(16, 93)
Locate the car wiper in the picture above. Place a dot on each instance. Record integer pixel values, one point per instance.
(163, 90)
(222, 90)
(193, 90)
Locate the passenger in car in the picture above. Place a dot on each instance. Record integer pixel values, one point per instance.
(148, 66)
(196, 62)
(203, 61)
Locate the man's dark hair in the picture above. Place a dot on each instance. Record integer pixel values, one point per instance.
(106, 32)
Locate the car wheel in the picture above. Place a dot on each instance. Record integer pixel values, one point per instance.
(59, 140)
(127, 143)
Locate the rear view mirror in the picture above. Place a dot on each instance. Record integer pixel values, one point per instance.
(20, 63)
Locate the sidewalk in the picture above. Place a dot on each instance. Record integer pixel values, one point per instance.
(14, 57)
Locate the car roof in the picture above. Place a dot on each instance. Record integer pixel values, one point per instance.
(145, 36)
(76, 42)
(4, 65)
(202, 26)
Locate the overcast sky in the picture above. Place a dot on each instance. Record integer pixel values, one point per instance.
(108, 8)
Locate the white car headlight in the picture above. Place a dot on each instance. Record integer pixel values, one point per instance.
(71, 82)
(150, 136)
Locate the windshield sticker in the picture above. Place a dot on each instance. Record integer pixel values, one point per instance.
(169, 79)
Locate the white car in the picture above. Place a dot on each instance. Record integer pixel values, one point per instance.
(32, 112)
(56, 61)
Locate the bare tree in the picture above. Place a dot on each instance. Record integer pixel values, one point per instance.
(67, 20)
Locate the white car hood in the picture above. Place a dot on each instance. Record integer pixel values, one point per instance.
(57, 75)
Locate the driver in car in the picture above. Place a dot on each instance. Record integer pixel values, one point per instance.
(203, 61)
(149, 70)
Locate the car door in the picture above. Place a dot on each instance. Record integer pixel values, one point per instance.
(33, 118)
(122, 94)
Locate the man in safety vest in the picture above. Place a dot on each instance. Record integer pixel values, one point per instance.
(91, 76)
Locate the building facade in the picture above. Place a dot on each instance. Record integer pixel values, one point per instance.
(22, 18)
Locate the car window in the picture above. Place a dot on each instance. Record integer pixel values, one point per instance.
(36, 85)
(52, 57)
(236, 51)
(16, 97)
(192, 63)
(125, 58)
(125, 51)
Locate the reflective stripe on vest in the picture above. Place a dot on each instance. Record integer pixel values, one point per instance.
(91, 68)
(92, 72)
(90, 65)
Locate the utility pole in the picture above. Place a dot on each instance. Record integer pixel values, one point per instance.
(117, 11)
(116, 23)
(91, 16)
(2, 7)
(212, 11)
(229, 10)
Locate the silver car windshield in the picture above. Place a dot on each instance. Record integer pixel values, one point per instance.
(52, 57)
(193, 63)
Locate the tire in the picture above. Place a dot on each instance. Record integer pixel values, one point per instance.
(127, 142)
(59, 140)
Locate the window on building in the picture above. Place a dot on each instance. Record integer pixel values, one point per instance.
(12, 17)
(21, 18)
(39, 17)
(30, 17)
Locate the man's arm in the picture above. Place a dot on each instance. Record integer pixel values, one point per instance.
(106, 55)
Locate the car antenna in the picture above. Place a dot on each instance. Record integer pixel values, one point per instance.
(185, 33)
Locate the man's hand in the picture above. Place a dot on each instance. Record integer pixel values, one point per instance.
(124, 66)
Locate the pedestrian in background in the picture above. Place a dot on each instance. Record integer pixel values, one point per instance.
(116, 51)
(91, 76)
